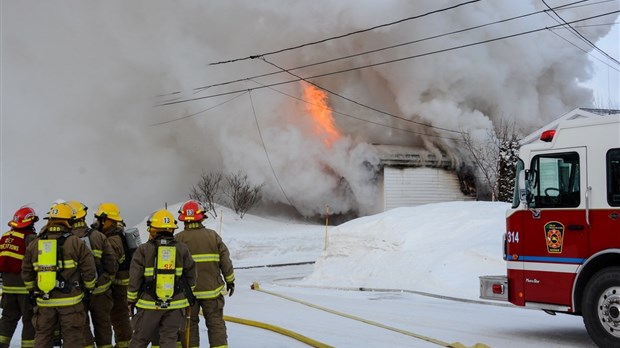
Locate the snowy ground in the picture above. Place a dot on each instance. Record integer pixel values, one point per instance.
(438, 249)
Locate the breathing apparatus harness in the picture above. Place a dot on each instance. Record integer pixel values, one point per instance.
(165, 284)
(51, 263)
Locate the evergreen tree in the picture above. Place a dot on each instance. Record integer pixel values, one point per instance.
(508, 156)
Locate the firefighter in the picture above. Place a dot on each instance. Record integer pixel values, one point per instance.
(162, 274)
(215, 270)
(110, 223)
(15, 301)
(99, 304)
(57, 270)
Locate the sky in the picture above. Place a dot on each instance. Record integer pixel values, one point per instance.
(82, 83)
(423, 262)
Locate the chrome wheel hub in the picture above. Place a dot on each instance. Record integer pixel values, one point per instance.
(609, 310)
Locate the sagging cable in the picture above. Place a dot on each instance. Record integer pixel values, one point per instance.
(256, 286)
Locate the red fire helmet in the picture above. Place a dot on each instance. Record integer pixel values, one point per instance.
(24, 217)
(191, 211)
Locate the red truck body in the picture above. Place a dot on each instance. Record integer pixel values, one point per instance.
(562, 241)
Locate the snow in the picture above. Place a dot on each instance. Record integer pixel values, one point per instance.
(436, 243)
(399, 257)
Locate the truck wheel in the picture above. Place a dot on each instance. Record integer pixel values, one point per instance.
(601, 307)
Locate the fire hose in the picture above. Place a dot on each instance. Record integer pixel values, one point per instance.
(289, 333)
(256, 286)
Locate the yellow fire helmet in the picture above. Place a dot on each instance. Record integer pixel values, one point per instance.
(162, 219)
(60, 211)
(79, 209)
(110, 211)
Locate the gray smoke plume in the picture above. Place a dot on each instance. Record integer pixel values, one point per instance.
(80, 81)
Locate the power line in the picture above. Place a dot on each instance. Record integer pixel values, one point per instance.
(360, 104)
(358, 118)
(573, 30)
(566, 6)
(569, 6)
(273, 171)
(392, 60)
(584, 50)
(595, 25)
(199, 112)
(345, 35)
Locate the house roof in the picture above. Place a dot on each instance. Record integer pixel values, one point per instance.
(572, 115)
(409, 156)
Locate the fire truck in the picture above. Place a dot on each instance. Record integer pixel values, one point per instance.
(562, 240)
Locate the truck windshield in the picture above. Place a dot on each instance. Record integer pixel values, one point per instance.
(556, 180)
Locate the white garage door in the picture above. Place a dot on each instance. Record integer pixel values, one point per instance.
(407, 187)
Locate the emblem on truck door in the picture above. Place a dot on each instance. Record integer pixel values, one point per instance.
(554, 235)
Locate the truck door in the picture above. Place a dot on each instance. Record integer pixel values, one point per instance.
(556, 230)
(605, 213)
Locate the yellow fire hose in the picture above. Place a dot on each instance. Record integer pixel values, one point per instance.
(256, 286)
(289, 333)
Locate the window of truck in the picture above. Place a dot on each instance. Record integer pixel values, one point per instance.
(613, 177)
(556, 180)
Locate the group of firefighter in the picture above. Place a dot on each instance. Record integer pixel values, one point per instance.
(69, 274)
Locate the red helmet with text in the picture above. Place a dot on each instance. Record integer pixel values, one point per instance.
(191, 211)
(24, 217)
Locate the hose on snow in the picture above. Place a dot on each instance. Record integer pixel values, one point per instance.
(256, 286)
(277, 329)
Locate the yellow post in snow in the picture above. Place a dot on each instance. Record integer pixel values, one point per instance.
(326, 224)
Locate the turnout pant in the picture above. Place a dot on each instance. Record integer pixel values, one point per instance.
(14, 308)
(147, 323)
(71, 320)
(99, 306)
(120, 316)
(213, 312)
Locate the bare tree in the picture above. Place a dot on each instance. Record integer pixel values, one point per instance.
(495, 156)
(207, 191)
(243, 195)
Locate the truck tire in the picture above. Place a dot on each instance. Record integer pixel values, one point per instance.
(601, 307)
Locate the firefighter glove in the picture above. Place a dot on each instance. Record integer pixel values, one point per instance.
(32, 297)
(130, 308)
(230, 287)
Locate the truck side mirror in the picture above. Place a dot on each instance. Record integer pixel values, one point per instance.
(524, 195)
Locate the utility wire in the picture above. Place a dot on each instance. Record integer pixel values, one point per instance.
(360, 104)
(348, 34)
(567, 6)
(584, 50)
(273, 171)
(199, 112)
(595, 25)
(358, 118)
(393, 60)
(585, 39)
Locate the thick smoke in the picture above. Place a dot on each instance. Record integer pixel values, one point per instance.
(80, 81)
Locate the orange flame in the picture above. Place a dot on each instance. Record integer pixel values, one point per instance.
(320, 112)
